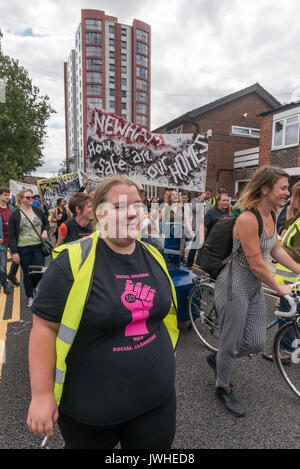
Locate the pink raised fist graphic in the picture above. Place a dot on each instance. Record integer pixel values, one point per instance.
(138, 299)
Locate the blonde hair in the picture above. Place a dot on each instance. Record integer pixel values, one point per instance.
(296, 190)
(265, 176)
(169, 197)
(20, 195)
(295, 198)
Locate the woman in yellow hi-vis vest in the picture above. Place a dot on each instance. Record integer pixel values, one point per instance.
(290, 242)
(101, 351)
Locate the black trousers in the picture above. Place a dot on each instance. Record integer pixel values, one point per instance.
(191, 258)
(152, 430)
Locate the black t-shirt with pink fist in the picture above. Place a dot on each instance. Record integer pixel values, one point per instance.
(121, 363)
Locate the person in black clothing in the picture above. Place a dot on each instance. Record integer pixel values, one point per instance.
(80, 225)
(119, 384)
(27, 227)
(217, 213)
(60, 214)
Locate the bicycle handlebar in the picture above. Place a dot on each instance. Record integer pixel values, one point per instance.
(292, 312)
(292, 302)
(36, 269)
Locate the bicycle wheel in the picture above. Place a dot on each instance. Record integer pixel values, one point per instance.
(203, 315)
(290, 372)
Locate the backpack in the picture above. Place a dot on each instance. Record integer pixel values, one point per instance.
(217, 248)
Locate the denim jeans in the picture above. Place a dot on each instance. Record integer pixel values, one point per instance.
(289, 336)
(31, 255)
(3, 266)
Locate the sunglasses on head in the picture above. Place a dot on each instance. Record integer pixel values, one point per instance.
(28, 197)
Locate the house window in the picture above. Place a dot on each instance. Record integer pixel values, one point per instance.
(286, 131)
(111, 29)
(94, 38)
(142, 35)
(245, 131)
(142, 60)
(93, 24)
(97, 102)
(142, 84)
(93, 89)
(142, 72)
(94, 50)
(142, 120)
(94, 77)
(141, 108)
(94, 64)
(141, 47)
(239, 185)
(141, 96)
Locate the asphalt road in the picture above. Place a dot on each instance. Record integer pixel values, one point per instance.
(273, 412)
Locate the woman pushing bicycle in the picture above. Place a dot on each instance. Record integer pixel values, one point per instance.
(239, 297)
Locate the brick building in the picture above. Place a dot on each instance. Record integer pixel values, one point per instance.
(233, 125)
(110, 68)
(279, 139)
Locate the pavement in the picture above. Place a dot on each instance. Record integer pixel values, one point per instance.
(273, 412)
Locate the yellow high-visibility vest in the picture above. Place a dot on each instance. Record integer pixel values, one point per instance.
(82, 255)
(213, 201)
(282, 273)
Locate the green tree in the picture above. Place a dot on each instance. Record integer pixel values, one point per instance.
(68, 167)
(23, 117)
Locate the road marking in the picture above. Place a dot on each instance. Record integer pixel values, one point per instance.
(14, 317)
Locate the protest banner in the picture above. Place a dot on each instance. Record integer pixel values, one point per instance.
(116, 146)
(17, 186)
(64, 185)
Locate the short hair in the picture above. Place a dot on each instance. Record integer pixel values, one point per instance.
(36, 196)
(59, 200)
(4, 189)
(79, 199)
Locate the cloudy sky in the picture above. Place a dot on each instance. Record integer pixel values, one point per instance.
(201, 50)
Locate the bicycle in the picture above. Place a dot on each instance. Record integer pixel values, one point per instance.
(202, 312)
(290, 331)
(204, 320)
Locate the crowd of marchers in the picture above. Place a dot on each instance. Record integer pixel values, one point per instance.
(109, 328)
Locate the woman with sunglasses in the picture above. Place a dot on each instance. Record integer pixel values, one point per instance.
(27, 227)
